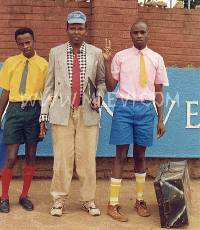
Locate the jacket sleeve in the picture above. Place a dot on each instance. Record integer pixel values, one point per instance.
(48, 93)
(100, 76)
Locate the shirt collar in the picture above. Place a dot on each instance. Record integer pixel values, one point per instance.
(22, 57)
(81, 50)
(137, 51)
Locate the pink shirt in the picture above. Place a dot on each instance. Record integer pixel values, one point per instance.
(125, 68)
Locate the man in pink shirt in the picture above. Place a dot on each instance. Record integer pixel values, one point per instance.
(141, 74)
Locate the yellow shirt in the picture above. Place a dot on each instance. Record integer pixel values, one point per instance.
(11, 74)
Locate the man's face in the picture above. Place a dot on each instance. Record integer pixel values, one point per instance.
(139, 35)
(25, 44)
(76, 33)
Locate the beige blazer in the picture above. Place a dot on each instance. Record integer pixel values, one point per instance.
(57, 93)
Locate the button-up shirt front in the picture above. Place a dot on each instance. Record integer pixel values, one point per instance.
(126, 69)
(11, 75)
(82, 62)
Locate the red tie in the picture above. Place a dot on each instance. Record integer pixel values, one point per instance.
(75, 98)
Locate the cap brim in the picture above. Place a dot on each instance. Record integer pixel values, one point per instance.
(76, 21)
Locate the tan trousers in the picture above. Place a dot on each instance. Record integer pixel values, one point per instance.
(74, 143)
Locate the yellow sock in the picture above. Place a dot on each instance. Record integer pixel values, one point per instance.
(114, 191)
(140, 181)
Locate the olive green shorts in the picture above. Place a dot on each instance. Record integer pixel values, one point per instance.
(22, 124)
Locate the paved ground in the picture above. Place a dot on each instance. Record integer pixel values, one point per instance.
(76, 219)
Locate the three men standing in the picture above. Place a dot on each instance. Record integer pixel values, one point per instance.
(73, 93)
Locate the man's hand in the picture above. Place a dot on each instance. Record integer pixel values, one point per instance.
(160, 129)
(43, 129)
(96, 103)
(107, 51)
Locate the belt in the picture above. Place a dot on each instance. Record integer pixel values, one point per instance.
(145, 101)
(24, 104)
(133, 101)
(75, 107)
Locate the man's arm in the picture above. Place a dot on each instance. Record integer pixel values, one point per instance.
(49, 86)
(111, 83)
(100, 84)
(3, 102)
(48, 95)
(5, 77)
(100, 77)
(159, 106)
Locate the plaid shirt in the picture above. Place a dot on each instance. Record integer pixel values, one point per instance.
(82, 62)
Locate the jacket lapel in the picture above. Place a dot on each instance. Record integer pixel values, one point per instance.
(88, 64)
(63, 58)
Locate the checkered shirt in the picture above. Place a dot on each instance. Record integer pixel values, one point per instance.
(82, 62)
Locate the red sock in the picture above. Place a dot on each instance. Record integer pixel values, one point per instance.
(29, 172)
(6, 176)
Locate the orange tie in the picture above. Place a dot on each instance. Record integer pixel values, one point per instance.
(143, 75)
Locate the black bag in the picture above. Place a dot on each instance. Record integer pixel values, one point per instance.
(90, 90)
(173, 195)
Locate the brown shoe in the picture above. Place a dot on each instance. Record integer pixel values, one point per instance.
(113, 211)
(141, 208)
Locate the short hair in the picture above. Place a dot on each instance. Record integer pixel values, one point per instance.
(24, 30)
(140, 21)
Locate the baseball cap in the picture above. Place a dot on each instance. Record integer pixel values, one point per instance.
(76, 17)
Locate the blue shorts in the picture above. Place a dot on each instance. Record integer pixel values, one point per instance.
(132, 123)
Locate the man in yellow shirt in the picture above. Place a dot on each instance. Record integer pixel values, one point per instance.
(22, 79)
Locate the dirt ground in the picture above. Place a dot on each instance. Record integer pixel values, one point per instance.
(76, 219)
